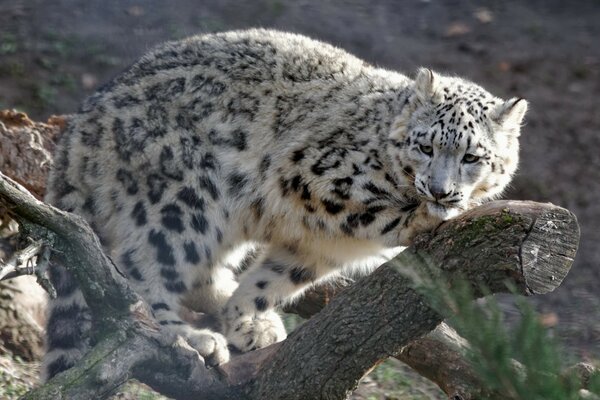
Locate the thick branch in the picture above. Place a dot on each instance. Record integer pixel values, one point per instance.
(440, 356)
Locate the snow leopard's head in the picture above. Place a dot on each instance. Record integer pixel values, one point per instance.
(455, 142)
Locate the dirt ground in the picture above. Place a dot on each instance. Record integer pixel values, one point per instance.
(55, 52)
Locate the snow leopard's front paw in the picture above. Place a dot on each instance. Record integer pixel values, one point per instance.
(212, 346)
(254, 331)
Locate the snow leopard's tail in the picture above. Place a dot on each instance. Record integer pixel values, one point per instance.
(68, 325)
(68, 317)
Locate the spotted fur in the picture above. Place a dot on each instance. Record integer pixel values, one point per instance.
(269, 138)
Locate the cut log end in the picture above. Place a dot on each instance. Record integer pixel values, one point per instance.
(549, 250)
(532, 244)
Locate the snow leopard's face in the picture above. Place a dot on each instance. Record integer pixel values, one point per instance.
(456, 143)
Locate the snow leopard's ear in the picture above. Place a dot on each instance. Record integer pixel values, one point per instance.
(427, 85)
(510, 114)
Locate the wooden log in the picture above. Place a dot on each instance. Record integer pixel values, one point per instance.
(440, 355)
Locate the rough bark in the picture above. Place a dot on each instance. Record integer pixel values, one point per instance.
(440, 356)
(325, 357)
(26, 148)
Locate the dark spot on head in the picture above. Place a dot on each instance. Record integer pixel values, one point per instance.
(156, 187)
(298, 155)
(169, 274)
(191, 253)
(375, 190)
(175, 287)
(264, 165)
(139, 213)
(190, 198)
(296, 182)
(332, 207)
(309, 208)
(128, 181)
(237, 183)
(284, 185)
(261, 284)
(208, 161)
(366, 218)
(171, 218)
(207, 184)
(238, 139)
(391, 225)
(199, 223)
(168, 165)
(342, 187)
(164, 252)
(89, 206)
(261, 303)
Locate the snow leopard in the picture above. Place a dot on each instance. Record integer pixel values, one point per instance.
(270, 139)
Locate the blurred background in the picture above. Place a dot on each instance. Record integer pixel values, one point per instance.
(53, 53)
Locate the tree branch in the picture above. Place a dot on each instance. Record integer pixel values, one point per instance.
(441, 355)
(106, 292)
(529, 244)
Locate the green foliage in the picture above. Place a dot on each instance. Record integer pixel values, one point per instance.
(494, 347)
(537, 372)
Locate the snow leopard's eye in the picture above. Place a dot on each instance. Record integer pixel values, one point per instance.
(470, 158)
(426, 149)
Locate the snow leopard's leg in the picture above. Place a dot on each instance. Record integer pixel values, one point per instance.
(163, 266)
(249, 319)
(166, 309)
(211, 290)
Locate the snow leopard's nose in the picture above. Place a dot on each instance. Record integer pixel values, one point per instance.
(438, 192)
